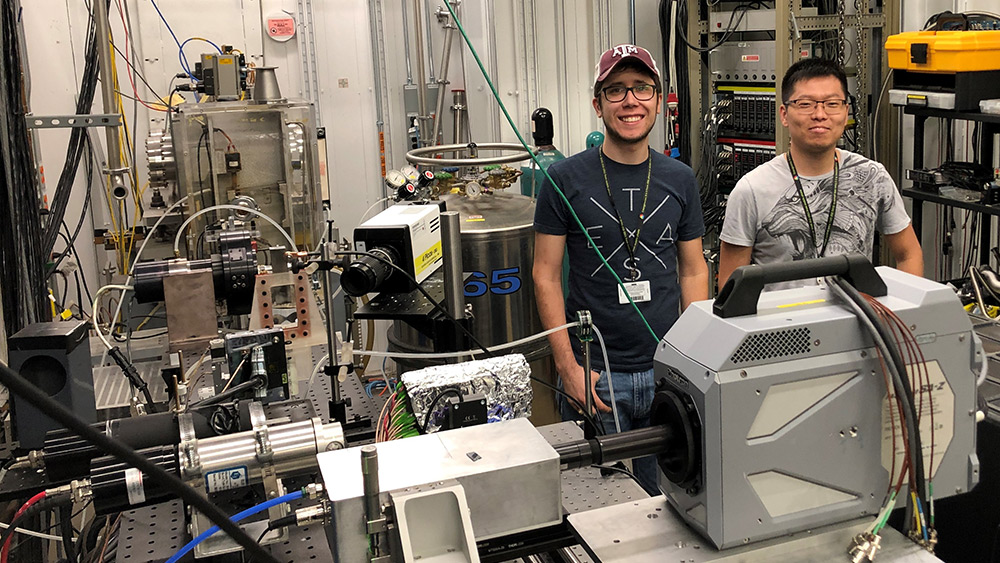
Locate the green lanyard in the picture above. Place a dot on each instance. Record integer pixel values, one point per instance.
(633, 273)
(805, 204)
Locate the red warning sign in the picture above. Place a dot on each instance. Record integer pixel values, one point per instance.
(281, 28)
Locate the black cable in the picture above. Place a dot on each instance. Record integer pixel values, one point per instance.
(83, 211)
(901, 382)
(232, 392)
(19, 386)
(444, 393)
(79, 271)
(201, 179)
(21, 233)
(119, 338)
(730, 27)
(618, 468)
(66, 527)
(595, 422)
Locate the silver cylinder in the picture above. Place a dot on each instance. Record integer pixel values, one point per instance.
(294, 446)
(451, 240)
(458, 111)
(449, 33)
(114, 168)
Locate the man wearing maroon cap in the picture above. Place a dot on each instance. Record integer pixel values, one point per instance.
(643, 211)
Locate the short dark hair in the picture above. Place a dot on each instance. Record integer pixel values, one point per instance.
(628, 64)
(807, 69)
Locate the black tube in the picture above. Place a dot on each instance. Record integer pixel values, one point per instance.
(118, 487)
(615, 447)
(633, 444)
(20, 387)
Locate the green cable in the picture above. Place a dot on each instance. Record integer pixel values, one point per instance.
(534, 158)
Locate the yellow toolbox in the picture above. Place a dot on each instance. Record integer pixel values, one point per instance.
(944, 51)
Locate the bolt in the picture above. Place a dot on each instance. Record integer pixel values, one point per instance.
(864, 354)
(743, 373)
(913, 327)
(816, 342)
(961, 338)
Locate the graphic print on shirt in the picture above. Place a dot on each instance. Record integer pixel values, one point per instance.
(626, 261)
(854, 220)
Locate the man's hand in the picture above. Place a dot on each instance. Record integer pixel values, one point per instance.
(574, 384)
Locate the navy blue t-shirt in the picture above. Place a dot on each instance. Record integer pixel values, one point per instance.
(673, 213)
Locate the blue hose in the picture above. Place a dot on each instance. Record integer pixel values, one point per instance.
(235, 518)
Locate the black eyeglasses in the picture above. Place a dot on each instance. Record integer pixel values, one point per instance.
(806, 105)
(642, 92)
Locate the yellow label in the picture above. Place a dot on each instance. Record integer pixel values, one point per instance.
(813, 302)
(424, 261)
(225, 61)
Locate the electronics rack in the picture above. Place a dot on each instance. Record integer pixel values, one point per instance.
(812, 28)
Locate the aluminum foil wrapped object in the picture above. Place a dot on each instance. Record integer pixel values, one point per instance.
(504, 380)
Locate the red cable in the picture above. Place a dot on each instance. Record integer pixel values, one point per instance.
(20, 511)
(125, 58)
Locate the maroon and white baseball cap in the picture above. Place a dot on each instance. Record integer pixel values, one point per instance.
(612, 57)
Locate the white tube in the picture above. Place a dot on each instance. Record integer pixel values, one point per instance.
(431, 355)
(983, 370)
(611, 383)
(33, 533)
(183, 227)
(97, 299)
(373, 206)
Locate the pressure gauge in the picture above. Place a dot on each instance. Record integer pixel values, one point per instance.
(473, 189)
(395, 179)
(411, 174)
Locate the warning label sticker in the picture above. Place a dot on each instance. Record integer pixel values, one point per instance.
(425, 260)
(226, 479)
(941, 410)
(280, 27)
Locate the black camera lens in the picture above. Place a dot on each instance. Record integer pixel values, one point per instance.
(367, 273)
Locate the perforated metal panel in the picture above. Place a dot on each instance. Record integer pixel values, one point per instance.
(773, 344)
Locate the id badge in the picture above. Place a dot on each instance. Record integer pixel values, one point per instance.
(639, 292)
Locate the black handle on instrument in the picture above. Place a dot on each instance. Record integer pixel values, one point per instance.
(740, 294)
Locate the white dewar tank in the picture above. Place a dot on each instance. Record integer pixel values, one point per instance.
(497, 255)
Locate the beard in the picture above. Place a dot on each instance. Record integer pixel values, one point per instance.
(613, 134)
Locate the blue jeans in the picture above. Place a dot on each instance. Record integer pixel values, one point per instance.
(633, 397)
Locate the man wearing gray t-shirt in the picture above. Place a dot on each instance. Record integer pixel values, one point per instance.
(815, 200)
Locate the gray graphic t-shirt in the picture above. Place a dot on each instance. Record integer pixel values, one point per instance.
(764, 210)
